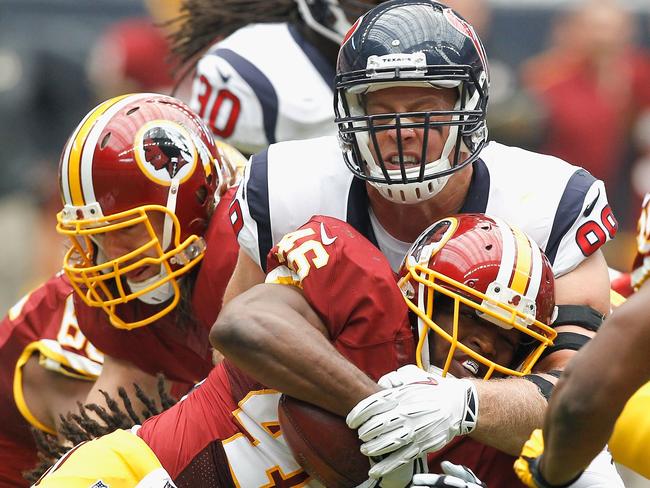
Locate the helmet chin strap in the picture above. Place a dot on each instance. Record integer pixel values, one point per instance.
(159, 294)
(423, 329)
(165, 291)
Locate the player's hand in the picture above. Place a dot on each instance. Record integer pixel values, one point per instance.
(405, 375)
(402, 476)
(404, 422)
(455, 476)
(641, 266)
(527, 465)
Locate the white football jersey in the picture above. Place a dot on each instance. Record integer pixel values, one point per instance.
(264, 84)
(561, 206)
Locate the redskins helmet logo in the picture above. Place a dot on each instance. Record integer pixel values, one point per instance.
(431, 241)
(165, 151)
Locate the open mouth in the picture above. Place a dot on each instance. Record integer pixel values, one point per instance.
(465, 368)
(471, 366)
(140, 274)
(409, 162)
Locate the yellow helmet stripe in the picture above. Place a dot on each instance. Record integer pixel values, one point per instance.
(73, 160)
(523, 262)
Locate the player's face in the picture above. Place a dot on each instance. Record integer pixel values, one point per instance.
(117, 243)
(491, 341)
(410, 99)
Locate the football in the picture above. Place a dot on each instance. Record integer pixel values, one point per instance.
(323, 444)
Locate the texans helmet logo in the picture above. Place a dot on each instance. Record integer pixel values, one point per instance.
(467, 30)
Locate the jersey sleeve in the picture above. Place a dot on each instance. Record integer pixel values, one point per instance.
(249, 210)
(583, 222)
(47, 316)
(235, 99)
(350, 285)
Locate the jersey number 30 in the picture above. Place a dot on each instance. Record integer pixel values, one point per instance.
(221, 111)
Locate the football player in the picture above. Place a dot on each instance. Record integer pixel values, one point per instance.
(48, 366)
(411, 99)
(271, 78)
(145, 204)
(593, 392)
(226, 431)
(481, 297)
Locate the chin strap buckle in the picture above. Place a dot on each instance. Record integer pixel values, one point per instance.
(190, 253)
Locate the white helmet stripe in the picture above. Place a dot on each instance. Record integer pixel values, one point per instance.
(508, 254)
(536, 270)
(65, 161)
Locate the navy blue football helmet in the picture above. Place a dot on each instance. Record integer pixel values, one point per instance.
(411, 43)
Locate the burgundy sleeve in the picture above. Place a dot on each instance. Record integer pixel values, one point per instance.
(351, 286)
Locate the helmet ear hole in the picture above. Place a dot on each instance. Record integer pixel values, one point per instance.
(201, 195)
(105, 140)
(133, 110)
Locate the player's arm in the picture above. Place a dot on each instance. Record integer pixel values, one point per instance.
(587, 285)
(592, 393)
(117, 373)
(273, 334)
(247, 274)
(48, 394)
(520, 403)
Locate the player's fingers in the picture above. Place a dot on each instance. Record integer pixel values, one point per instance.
(367, 408)
(386, 444)
(393, 461)
(378, 425)
(425, 479)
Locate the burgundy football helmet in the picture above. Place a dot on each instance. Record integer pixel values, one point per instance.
(134, 160)
(494, 269)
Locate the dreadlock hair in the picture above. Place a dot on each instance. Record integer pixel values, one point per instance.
(80, 427)
(201, 22)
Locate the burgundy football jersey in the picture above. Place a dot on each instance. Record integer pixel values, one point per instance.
(181, 352)
(351, 286)
(44, 323)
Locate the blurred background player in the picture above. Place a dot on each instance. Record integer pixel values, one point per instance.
(595, 69)
(151, 250)
(270, 74)
(47, 366)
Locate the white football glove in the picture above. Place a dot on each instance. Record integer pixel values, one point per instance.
(404, 422)
(402, 476)
(456, 476)
(405, 375)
